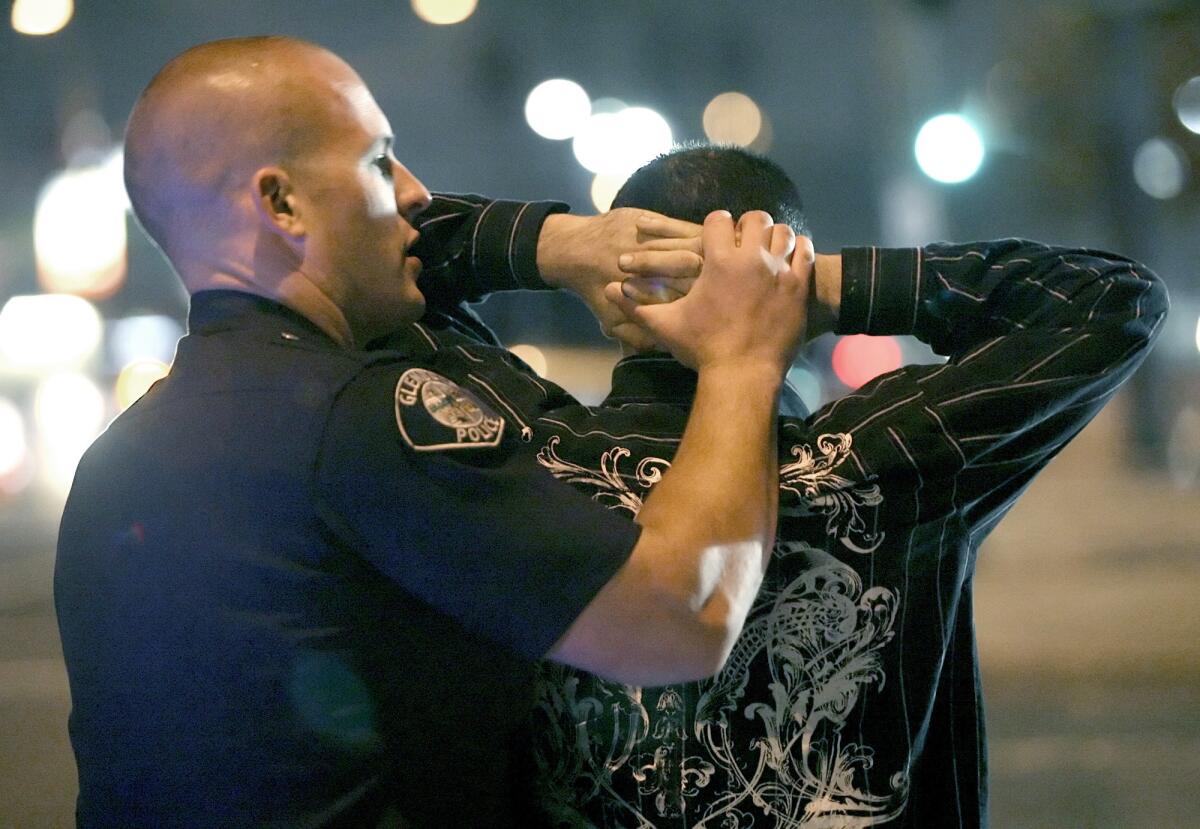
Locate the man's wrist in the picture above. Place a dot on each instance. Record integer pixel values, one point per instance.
(824, 295)
(554, 249)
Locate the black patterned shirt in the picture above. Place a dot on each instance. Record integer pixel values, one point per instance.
(852, 697)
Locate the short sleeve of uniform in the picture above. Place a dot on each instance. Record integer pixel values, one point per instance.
(464, 520)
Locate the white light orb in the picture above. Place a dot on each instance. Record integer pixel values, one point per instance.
(949, 149)
(617, 143)
(79, 234)
(732, 118)
(1160, 168)
(594, 143)
(12, 438)
(48, 331)
(1187, 104)
(136, 379)
(604, 189)
(444, 12)
(557, 108)
(41, 17)
(69, 411)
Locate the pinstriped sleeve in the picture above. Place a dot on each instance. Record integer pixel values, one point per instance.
(471, 246)
(881, 290)
(1038, 338)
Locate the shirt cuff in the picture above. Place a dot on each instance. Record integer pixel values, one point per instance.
(881, 290)
(504, 247)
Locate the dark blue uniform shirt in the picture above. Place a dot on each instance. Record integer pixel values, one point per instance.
(303, 586)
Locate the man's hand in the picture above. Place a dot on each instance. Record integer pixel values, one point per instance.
(582, 254)
(824, 298)
(748, 304)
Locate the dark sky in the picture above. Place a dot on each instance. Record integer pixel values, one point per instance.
(1066, 91)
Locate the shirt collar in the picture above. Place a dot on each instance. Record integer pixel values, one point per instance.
(656, 377)
(215, 311)
(653, 376)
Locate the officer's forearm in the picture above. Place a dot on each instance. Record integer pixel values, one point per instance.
(712, 517)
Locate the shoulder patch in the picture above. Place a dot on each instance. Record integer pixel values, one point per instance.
(434, 413)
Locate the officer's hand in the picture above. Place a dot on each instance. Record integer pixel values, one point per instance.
(655, 289)
(748, 303)
(582, 254)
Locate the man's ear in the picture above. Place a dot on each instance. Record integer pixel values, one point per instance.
(276, 202)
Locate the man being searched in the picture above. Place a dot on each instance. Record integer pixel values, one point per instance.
(301, 583)
(852, 697)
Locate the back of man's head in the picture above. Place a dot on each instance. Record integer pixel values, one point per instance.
(692, 181)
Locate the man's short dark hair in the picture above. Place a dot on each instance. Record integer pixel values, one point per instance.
(690, 182)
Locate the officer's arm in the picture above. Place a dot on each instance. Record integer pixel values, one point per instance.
(674, 610)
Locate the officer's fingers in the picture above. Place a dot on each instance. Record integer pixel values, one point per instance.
(655, 225)
(718, 234)
(650, 291)
(754, 228)
(633, 335)
(665, 264)
(803, 256)
(636, 312)
(783, 240)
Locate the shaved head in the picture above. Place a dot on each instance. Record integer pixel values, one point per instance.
(214, 115)
(264, 165)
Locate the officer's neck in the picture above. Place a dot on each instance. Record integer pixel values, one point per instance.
(293, 290)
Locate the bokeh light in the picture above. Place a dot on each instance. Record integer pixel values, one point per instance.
(860, 358)
(617, 143)
(69, 412)
(557, 108)
(143, 337)
(1160, 168)
(48, 331)
(534, 357)
(444, 12)
(732, 118)
(136, 379)
(766, 136)
(12, 438)
(41, 17)
(1187, 104)
(79, 233)
(604, 189)
(949, 149)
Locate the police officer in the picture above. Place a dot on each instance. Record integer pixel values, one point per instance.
(303, 584)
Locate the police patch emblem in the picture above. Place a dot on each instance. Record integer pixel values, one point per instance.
(434, 413)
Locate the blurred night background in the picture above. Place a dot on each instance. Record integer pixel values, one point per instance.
(1066, 121)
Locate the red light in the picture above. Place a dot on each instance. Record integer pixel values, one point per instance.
(860, 358)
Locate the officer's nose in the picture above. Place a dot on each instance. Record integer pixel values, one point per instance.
(412, 198)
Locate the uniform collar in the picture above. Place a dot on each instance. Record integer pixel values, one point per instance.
(653, 376)
(223, 310)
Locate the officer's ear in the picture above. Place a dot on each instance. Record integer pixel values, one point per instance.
(276, 202)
